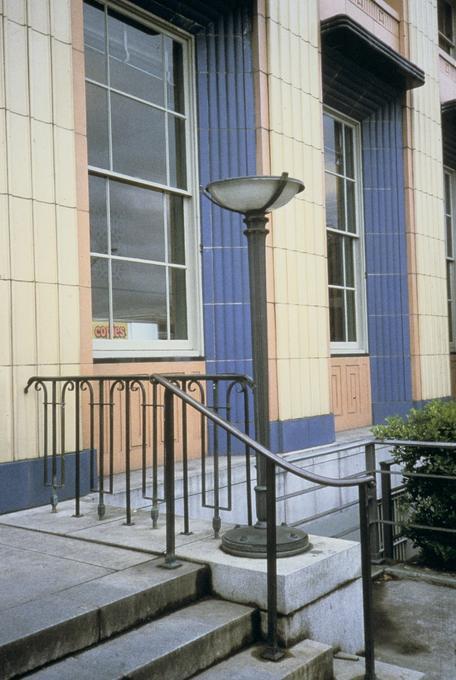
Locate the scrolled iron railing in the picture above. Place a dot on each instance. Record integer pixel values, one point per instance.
(101, 415)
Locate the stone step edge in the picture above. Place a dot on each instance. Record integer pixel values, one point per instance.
(169, 657)
(306, 660)
(80, 630)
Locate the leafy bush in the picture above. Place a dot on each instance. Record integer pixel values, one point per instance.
(429, 502)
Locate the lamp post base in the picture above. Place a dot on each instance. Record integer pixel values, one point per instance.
(251, 541)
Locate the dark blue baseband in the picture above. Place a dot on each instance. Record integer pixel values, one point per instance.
(21, 482)
(294, 435)
(382, 410)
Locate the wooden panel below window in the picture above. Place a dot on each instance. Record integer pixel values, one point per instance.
(350, 392)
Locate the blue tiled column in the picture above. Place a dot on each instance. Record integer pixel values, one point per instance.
(386, 262)
(226, 137)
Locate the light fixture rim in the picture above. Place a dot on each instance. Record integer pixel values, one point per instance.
(253, 179)
(292, 180)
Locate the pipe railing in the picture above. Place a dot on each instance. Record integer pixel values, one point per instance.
(273, 461)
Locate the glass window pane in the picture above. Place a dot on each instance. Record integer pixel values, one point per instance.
(351, 207)
(137, 222)
(336, 315)
(95, 42)
(450, 321)
(139, 299)
(335, 202)
(445, 18)
(174, 74)
(449, 236)
(97, 126)
(135, 59)
(333, 144)
(447, 194)
(177, 304)
(176, 233)
(138, 139)
(450, 266)
(335, 259)
(349, 152)
(100, 289)
(176, 133)
(98, 216)
(351, 315)
(349, 263)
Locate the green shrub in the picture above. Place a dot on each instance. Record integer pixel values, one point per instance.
(429, 502)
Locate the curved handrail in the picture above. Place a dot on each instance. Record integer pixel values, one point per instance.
(231, 429)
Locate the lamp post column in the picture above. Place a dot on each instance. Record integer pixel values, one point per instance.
(254, 197)
(256, 233)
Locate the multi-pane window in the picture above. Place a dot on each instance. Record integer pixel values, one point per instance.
(140, 184)
(445, 14)
(450, 205)
(343, 235)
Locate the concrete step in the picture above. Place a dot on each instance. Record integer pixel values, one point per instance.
(174, 647)
(307, 660)
(55, 624)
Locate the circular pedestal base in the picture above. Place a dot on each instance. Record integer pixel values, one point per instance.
(251, 541)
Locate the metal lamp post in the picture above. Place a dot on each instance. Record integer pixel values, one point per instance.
(254, 197)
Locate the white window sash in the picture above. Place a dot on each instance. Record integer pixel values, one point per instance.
(361, 344)
(193, 345)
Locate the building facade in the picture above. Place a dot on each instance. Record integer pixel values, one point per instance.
(113, 113)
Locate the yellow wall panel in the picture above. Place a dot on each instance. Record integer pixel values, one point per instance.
(45, 241)
(18, 158)
(3, 164)
(38, 15)
(16, 75)
(47, 323)
(6, 431)
(40, 76)
(21, 239)
(427, 275)
(298, 231)
(15, 10)
(39, 275)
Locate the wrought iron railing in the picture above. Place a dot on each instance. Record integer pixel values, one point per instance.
(102, 415)
(223, 422)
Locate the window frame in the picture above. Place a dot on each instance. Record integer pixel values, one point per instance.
(360, 346)
(442, 37)
(450, 259)
(193, 345)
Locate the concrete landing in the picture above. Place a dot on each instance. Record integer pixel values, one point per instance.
(354, 670)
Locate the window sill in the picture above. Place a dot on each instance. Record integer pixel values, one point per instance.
(147, 360)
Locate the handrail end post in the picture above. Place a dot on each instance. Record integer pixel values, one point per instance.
(272, 653)
(171, 562)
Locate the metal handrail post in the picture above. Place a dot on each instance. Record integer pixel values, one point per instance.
(367, 583)
(370, 462)
(272, 652)
(170, 557)
(388, 541)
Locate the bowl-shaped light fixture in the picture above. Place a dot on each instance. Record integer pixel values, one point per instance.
(254, 194)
